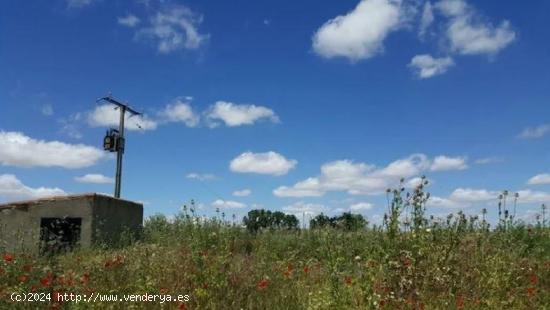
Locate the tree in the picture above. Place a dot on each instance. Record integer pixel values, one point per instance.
(265, 219)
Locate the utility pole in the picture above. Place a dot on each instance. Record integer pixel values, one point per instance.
(114, 139)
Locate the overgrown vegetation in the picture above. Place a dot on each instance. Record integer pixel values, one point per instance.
(412, 262)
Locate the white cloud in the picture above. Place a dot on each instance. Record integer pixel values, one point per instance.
(535, 132)
(540, 179)
(107, 116)
(79, 3)
(228, 204)
(47, 110)
(360, 206)
(174, 28)
(469, 34)
(438, 202)
(359, 34)
(13, 189)
(444, 163)
(242, 193)
(129, 20)
(95, 179)
(473, 195)
(19, 150)
(263, 163)
(238, 114)
(201, 176)
(310, 187)
(488, 160)
(529, 196)
(356, 178)
(180, 111)
(427, 19)
(426, 66)
(300, 208)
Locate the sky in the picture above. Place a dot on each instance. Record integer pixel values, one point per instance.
(303, 107)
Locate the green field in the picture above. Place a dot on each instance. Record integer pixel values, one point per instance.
(459, 263)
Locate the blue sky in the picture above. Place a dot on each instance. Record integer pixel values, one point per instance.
(297, 106)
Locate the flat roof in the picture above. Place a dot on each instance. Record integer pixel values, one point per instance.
(23, 203)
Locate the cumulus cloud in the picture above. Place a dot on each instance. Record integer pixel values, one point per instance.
(425, 66)
(535, 132)
(180, 111)
(174, 28)
(469, 33)
(233, 115)
(47, 110)
(360, 206)
(488, 160)
(427, 19)
(11, 188)
(530, 196)
(356, 178)
(300, 208)
(539, 179)
(201, 176)
(129, 20)
(107, 116)
(444, 163)
(263, 163)
(473, 195)
(79, 3)
(242, 193)
(359, 34)
(228, 204)
(17, 149)
(95, 178)
(438, 202)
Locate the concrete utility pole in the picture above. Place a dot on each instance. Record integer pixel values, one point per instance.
(114, 139)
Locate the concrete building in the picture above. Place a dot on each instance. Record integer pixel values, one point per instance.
(57, 224)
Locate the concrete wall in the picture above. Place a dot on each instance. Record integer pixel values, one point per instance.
(103, 220)
(115, 218)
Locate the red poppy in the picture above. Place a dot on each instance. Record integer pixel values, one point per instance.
(45, 282)
(23, 278)
(85, 278)
(534, 279)
(182, 307)
(262, 284)
(460, 302)
(348, 280)
(407, 262)
(306, 269)
(382, 303)
(531, 291)
(8, 257)
(2, 271)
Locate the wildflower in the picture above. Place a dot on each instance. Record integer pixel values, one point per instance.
(262, 284)
(531, 291)
(460, 302)
(534, 279)
(23, 278)
(2, 271)
(8, 258)
(382, 303)
(348, 280)
(85, 278)
(357, 258)
(46, 281)
(306, 269)
(182, 307)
